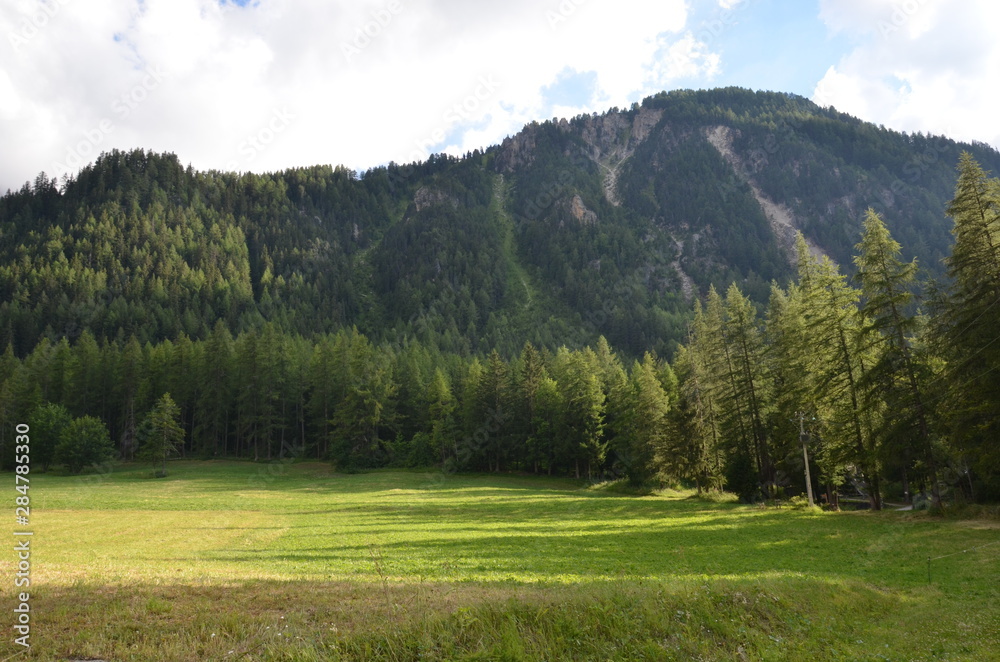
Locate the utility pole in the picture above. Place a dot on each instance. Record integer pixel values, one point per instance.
(805, 456)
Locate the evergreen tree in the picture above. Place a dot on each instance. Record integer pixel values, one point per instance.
(548, 410)
(893, 377)
(366, 408)
(476, 422)
(215, 393)
(835, 326)
(164, 434)
(746, 359)
(131, 370)
(531, 371)
(645, 442)
(441, 414)
(693, 444)
(969, 318)
(493, 401)
(581, 432)
(794, 368)
(323, 394)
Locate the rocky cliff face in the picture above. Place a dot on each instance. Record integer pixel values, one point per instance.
(517, 152)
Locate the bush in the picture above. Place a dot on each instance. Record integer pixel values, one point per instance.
(84, 442)
(802, 503)
(48, 421)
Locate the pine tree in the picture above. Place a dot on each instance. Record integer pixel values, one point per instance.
(794, 366)
(441, 414)
(531, 372)
(476, 422)
(743, 338)
(215, 397)
(835, 325)
(969, 316)
(693, 441)
(645, 443)
(548, 409)
(131, 369)
(493, 399)
(367, 405)
(581, 442)
(9, 411)
(164, 434)
(323, 394)
(84, 376)
(893, 378)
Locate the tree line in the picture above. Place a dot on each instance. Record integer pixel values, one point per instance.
(895, 384)
(891, 392)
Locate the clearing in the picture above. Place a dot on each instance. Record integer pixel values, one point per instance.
(236, 560)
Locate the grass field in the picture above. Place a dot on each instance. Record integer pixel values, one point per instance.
(243, 561)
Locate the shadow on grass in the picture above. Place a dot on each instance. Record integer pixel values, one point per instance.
(844, 547)
(622, 619)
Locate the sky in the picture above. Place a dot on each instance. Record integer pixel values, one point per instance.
(263, 85)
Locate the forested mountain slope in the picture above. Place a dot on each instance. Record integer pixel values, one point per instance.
(601, 225)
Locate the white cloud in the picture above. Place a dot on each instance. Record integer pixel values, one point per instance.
(358, 83)
(919, 65)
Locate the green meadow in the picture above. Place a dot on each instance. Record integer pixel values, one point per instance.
(245, 561)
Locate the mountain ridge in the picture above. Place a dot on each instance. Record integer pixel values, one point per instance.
(603, 224)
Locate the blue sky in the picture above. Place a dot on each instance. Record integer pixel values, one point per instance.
(256, 85)
(768, 44)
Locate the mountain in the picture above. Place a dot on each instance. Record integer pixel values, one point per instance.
(601, 225)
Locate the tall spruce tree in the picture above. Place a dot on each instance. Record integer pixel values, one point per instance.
(692, 445)
(746, 351)
(647, 430)
(893, 379)
(968, 319)
(835, 325)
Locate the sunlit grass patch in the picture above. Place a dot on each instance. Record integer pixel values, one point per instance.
(310, 564)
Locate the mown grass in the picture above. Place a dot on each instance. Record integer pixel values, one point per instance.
(247, 561)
